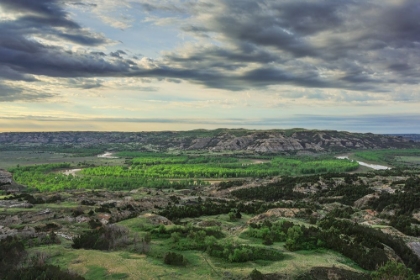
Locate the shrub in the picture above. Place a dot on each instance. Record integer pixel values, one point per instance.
(12, 252)
(172, 258)
(40, 272)
(109, 237)
(141, 245)
(394, 271)
(243, 253)
(14, 264)
(268, 240)
(256, 275)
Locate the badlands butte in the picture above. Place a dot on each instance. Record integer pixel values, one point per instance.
(292, 141)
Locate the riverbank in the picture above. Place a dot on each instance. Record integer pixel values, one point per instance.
(373, 166)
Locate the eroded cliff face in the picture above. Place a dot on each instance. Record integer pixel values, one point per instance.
(297, 142)
(276, 141)
(5, 177)
(7, 183)
(255, 143)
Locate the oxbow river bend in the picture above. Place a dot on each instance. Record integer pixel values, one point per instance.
(373, 166)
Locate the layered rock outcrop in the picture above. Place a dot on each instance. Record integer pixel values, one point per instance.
(273, 141)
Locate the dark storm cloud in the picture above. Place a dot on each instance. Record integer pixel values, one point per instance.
(46, 19)
(269, 75)
(10, 94)
(401, 24)
(44, 8)
(21, 57)
(354, 38)
(197, 30)
(82, 39)
(98, 53)
(280, 24)
(399, 67)
(167, 6)
(82, 4)
(307, 18)
(31, 57)
(118, 54)
(345, 44)
(6, 92)
(84, 83)
(9, 74)
(213, 56)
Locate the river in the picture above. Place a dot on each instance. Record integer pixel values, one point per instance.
(373, 166)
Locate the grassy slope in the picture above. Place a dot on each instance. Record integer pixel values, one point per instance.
(95, 264)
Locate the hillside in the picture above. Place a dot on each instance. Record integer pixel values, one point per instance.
(271, 141)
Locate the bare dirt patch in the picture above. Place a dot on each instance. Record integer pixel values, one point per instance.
(156, 219)
(276, 212)
(71, 171)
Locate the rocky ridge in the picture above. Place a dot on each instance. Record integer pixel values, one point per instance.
(7, 183)
(5, 177)
(272, 141)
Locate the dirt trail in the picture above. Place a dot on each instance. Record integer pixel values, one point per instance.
(71, 172)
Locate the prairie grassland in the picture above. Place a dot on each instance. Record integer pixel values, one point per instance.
(386, 156)
(93, 264)
(415, 160)
(202, 266)
(9, 159)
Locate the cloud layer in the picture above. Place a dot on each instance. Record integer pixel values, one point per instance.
(355, 45)
(360, 52)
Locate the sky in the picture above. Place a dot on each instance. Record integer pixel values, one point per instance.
(147, 65)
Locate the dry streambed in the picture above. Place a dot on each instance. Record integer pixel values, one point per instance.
(373, 166)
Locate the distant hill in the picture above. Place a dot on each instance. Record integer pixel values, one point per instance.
(413, 137)
(292, 141)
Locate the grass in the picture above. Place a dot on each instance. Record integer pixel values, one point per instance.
(202, 266)
(9, 159)
(97, 272)
(362, 169)
(129, 256)
(380, 226)
(39, 207)
(94, 264)
(386, 156)
(409, 159)
(294, 263)
(139, 224)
